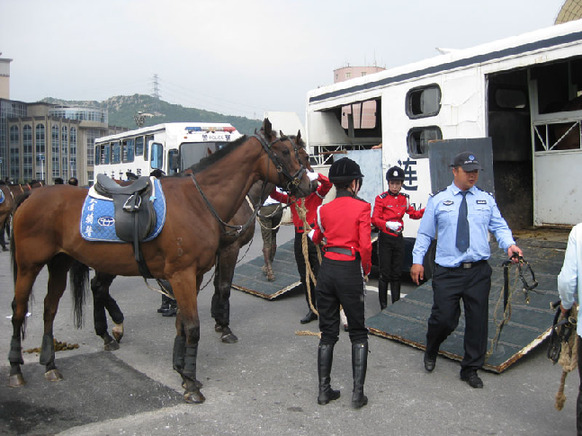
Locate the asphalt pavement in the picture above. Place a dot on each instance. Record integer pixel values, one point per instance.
(265, 384)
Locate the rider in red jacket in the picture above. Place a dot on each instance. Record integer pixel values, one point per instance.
(344, 226)
(311, 202)
(389, 209)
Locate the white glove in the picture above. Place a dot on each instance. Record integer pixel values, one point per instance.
(311, 233)
(394, 226)
(312, 176)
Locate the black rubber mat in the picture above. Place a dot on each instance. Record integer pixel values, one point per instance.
(96, 387)
(529, 323)
(249, 276)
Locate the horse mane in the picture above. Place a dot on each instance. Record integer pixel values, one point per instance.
(215, 157)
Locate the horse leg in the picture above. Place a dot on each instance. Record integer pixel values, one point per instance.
(102, 300)
(187, 335)
(2, 238)
(220, 308)
(268, 268)
(22, 291)
(58, 268)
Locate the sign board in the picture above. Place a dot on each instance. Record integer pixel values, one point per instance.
(370, 162)
(441, 155)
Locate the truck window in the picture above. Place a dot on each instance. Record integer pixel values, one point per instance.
(418, 139)
(157, 156)
(423, 102)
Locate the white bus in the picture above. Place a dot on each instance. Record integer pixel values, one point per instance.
(523, 92)
(170, 147)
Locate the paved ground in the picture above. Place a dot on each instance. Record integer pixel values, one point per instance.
(265, 384)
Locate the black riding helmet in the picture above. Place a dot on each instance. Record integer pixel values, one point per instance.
(395, 173)
(343, 171)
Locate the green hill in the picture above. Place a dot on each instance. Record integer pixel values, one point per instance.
(122, 110)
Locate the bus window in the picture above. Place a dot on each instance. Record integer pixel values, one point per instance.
(418, 139)
(128, 150)
(173, 161)
(115, 152)
(105, 153)
(148, 140)
(97, 154)
(423, 102)
(157, 156)
(139, 146)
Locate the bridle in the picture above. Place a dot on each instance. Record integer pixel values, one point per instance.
(293, 182)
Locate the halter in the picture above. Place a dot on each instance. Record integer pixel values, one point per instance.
(293, 182)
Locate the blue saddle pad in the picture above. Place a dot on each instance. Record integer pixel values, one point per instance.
(98, 217)
(2, 197)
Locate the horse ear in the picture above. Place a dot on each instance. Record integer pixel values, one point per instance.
(298, 136)
(267, 127)
(281, 134)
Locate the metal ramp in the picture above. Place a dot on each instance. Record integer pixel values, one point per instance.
(529, 325)
(249, 277)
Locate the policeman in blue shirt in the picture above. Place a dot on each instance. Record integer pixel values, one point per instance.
(462, 215)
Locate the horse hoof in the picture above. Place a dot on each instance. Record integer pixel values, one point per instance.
(117, 332)
(53, 375)
(111, 346)
(229, 338)
(16, 381)
(194, 397)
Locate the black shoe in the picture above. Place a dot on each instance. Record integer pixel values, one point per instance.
(309, 317)
(163, 308)
(429, 362)
(472, 379)
(171, 311)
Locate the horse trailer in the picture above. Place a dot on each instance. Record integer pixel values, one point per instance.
(523, 94)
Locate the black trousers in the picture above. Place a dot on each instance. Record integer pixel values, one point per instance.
(450, 285)
(390, 256)
(342, 283)
(301, 267)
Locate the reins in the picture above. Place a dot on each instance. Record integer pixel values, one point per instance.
(506, 295)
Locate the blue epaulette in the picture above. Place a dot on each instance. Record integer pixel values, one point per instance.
(487, 192)
(438, 192)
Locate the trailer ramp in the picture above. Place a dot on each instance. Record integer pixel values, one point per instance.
(529, 324)
(249, 277)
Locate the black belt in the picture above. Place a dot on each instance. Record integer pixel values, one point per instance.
(340, 250)
(465, 265)
(310, 225)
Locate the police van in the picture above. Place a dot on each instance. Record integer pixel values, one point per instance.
(169, 147)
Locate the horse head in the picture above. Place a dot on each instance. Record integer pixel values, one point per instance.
(284, 153)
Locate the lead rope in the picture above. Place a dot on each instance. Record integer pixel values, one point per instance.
(302, 213)
(568, 358)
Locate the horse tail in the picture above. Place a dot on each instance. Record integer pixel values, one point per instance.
(79, 278)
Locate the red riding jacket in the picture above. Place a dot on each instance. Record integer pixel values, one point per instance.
(390, 207)
(345, 224)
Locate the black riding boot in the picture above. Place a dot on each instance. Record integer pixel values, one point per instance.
(395, 291)
(359, 366)
(324, 361)
(165, 304)
(383, 293)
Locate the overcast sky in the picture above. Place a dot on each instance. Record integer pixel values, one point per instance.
(237, 57)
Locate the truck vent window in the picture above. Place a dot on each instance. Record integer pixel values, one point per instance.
(418, 139)
(423, 102)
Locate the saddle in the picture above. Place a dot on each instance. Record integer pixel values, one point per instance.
(135, 216)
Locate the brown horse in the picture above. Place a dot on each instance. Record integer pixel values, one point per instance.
(226, 259)
(198, 207)
(5, 212)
